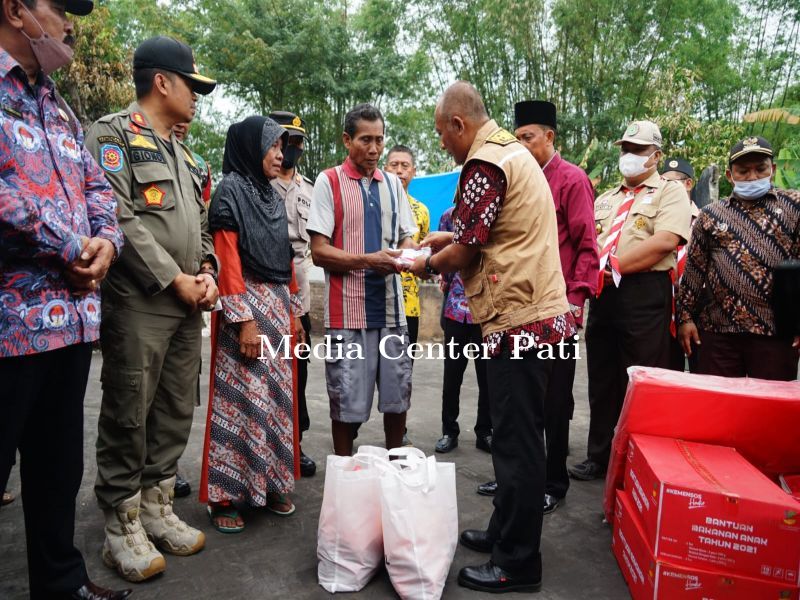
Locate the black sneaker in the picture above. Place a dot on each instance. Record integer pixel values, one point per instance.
(307, 465)
(182, 487)
(446, 444)
(588, 470)
(550, 504)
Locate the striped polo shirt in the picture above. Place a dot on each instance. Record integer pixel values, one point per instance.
(361, 215)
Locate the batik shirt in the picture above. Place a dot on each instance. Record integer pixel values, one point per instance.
(735, 246)
(52, 196)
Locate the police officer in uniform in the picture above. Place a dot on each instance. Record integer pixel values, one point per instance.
(151, 329)
(639, 225)
(296, 190)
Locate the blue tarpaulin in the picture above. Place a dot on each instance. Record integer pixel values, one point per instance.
(436, 192)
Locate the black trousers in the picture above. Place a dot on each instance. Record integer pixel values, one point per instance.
(517, 389)
(627, 326)
(558, 407)
(462, 334)
(302, 379)
(746, 355)
(413, 329)
(41, 402)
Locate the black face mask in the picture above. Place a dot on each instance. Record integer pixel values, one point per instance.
(291, 156)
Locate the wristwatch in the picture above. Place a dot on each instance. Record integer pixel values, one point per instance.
(428, 268)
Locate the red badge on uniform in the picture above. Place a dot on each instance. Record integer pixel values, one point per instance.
(154, 195)
(135, 128)
(138, 119)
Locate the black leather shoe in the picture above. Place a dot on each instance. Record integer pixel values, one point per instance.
(307, 465)
(90, 591)
(491, 578)
(446, 444)
(476, 539)
(182, 487)
(550, 503)
(484, 442)
(487, 489)
(588, 470)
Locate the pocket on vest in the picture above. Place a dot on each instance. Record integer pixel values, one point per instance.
(479, 297)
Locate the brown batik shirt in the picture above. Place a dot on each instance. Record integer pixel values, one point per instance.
(735, 246)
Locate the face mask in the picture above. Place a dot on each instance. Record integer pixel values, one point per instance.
(632, 165)
(50, 53)
(291, 155)
(750, 190)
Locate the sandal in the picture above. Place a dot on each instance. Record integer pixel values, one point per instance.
(224, 510)
(8, 498)
(280, 504)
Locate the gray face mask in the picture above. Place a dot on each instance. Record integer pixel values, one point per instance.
(50, 53)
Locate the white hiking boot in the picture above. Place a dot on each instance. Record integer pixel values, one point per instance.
(126, 547)
(163, 526)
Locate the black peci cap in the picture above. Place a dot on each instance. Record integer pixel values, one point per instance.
(534, 112)
(167, 53)
(750, 145)
(79, 7)
(673, 163)
(289, 121)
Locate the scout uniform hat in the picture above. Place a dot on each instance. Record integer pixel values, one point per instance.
(167, 53)
(534, 112)
(79, 7)
(642, 133)
(673, 163)
(750, 145)
(290, 122)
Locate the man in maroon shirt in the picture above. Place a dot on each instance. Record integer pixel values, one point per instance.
(535, 128)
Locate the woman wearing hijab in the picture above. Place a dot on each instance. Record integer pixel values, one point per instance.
(251, 440)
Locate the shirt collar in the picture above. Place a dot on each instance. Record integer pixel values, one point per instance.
(552, 164)
(8, 63)
(654, 181)
(349, 168)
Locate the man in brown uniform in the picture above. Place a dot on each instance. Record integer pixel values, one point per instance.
(639, 225)
(505, 245)
(151, 330)
(296, 191)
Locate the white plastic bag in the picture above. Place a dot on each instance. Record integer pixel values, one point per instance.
(350, 538)
(420, 523)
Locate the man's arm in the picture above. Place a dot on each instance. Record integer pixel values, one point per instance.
(643, 256)
(690, 288)
(581, 226)
(335, 260)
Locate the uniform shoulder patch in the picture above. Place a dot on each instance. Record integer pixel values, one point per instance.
(110, 139)
(501, 137)
(112, 158)
(308, 180)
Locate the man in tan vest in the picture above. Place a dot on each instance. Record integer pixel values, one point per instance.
(505, 246)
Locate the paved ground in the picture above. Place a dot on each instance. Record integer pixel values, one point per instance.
(275, 558)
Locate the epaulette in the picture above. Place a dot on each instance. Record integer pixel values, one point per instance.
(501, 137)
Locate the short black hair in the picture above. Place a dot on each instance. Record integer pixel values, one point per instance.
(143, 80)
(405, 150)
(361, 112)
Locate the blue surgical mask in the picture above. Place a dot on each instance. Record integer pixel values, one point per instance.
(752, 190)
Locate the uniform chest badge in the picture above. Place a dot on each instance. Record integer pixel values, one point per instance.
(640, 224)
(27, 137)
(142, 142)
(154, 196)
(134, 128)
(111, 158)
(598, 228)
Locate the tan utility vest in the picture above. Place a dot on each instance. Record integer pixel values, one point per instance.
(516, 278)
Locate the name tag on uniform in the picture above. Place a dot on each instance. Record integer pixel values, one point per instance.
(647, 199)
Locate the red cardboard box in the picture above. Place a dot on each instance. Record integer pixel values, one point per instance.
(706, 506)
(649, 578)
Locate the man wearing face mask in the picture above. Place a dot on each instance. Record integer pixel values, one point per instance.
(58, 237)
(151, 333)
(736, 245)
(639, 224)
(296, 190)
